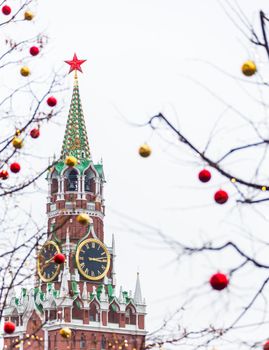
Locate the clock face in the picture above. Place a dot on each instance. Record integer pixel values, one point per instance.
(93, 259)
(46, 267)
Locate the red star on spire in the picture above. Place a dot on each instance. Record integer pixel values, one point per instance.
(75, 64)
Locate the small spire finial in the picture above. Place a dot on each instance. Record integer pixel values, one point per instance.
(75, 64)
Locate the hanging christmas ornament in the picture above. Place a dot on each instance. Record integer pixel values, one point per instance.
(266, 345)
(59, 258)
(51, 101)
(25, 71)
(34, 50)
(9, 327)
(219, 281)
(144, 150)
(15, 167)
(249, 68)
(204, 175)
(71, 161)
(17, 143)
(3, 174)
(65, 332)
(28, 15)
(34, 133)
(221, 197)
(84, 219)
(6, 10)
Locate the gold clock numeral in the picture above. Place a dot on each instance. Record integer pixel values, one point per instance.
(87, 271)
(93, 244)
(87, 246)
(103, 267)
(99, 273)
(103, 253)
(81, 258)
(82, 265)
(92, 274)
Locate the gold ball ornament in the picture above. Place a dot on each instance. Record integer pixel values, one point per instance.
(71, 161)
(84, 219)
(28, 15)
(65, 332)
(144, 150)
(17, 143)
(249, 68)
(25, 71)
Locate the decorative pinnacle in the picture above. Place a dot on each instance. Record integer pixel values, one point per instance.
(75, 139)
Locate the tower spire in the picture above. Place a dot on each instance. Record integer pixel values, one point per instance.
(75, 141)
(138, 293)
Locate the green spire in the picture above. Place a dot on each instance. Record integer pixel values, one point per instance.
(75, 138)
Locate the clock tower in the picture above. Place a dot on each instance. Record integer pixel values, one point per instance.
(74, 305)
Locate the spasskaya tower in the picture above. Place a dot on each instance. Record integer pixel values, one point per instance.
(74, 304)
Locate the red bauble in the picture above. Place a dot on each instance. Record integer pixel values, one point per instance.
(204, 175)
(6, 10)
(3, 174)
(34, 133)
(34, 50)
(266, 345)
(219, 281)
(51, 101)
(59, 258)
(15, 167)
(9, 327)
(221, 197)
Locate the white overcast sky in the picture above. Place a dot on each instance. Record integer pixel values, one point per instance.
(141, 56)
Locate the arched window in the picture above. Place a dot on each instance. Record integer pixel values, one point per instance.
(103, 342)
(72, 180)
(94, 312)
(130, 315)
(113, 313)
(82, 342)
(52, 315)
(89, 181)
(54, 182)
(77, 312)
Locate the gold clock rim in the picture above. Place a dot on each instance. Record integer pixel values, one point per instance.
(38, 263)
(107, 254)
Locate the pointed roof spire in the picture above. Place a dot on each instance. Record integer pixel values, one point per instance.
(138, 293)
(75, 141)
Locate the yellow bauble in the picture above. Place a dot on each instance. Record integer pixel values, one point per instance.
(65, 332)
(28, 15)
(249, 68)
(84, 219)
(25, 71)
(144, 150)
(17, 142)
(71, 161)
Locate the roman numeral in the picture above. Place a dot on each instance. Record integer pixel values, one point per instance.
(93, 244)
(103, 253)
(103, 267)
(82, 265)
(92, 274)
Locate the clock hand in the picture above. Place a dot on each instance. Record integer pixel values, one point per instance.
(98, 259)
(46, 263)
